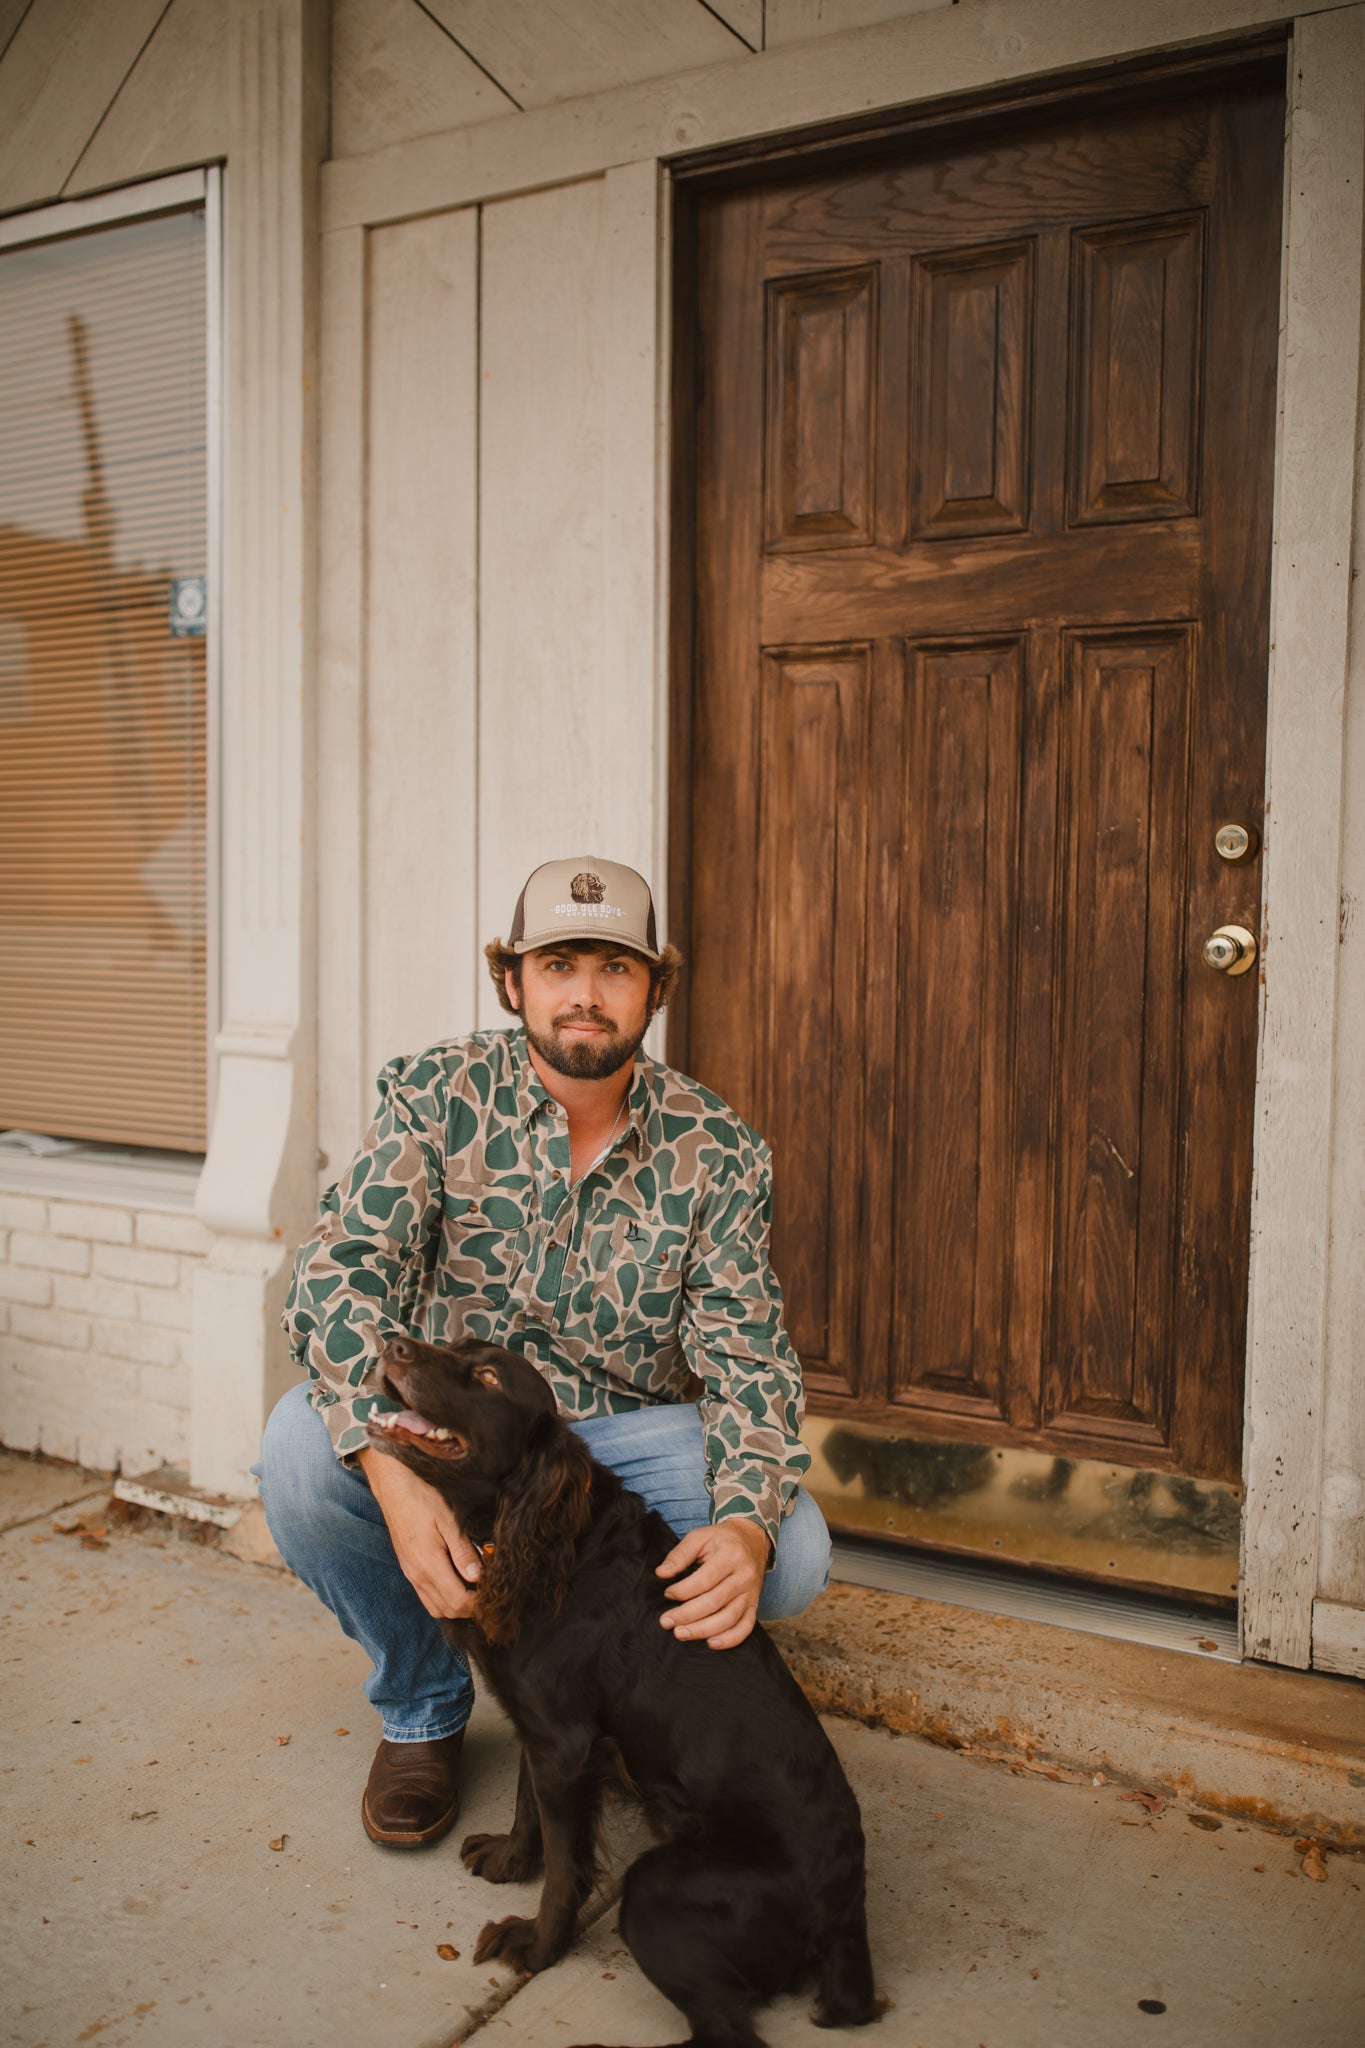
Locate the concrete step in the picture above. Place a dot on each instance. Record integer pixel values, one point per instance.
(1285, 1749)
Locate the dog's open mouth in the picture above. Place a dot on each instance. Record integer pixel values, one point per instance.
(407, 1426)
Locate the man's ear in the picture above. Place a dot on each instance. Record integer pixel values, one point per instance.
(509, 982)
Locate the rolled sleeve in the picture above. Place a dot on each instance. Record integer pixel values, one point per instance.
(736, 1344)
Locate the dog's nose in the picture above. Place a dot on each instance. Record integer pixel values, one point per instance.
(398, 1351)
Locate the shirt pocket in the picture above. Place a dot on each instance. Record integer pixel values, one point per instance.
(639, 1274)
(485, 1240)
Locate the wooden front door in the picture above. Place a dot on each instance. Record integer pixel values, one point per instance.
(980, 579)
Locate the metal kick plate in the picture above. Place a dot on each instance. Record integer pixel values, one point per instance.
(1110, 1522)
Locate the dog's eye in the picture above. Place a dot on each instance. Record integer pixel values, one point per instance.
(488, 1374)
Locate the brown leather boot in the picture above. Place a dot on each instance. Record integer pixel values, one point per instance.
(412, 1795)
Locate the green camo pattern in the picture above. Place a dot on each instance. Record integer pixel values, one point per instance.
(648, 1282)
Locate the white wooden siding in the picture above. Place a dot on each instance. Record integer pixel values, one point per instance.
(420, 719)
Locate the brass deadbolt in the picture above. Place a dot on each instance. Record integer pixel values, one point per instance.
(1231, 949)
(1236, 843)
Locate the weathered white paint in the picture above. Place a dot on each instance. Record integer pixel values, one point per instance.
(396, 74)
(65, 62)
(257, 1185)
(945, 51)
(800, 21)
(566, 756)
(562, 49)
(745, 17)
(1309, 613)
(171, 108)
(1339, 1638)
(1341, 1568)
(421, 685)
(12, 13)
(343, 1087)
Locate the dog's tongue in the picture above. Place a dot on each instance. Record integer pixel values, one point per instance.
(416, 1425)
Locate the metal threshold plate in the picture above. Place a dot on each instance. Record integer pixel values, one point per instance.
(1094, 1610)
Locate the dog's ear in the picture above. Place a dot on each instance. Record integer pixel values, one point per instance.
(543, 1509)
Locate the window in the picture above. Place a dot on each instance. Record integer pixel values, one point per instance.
(104, 676)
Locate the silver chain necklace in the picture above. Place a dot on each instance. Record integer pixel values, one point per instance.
(575, 1185)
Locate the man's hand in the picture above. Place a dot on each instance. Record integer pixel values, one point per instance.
(434, 1555)
(719, 1600)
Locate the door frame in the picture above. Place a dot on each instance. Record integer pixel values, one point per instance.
(1317, 415)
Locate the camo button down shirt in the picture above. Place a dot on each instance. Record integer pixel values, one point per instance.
(648, 1282)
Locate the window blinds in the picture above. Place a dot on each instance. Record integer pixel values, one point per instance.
(103, 1032)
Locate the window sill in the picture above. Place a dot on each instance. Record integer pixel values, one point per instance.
(136, 1180)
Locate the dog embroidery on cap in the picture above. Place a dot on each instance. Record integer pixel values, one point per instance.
(587, 888)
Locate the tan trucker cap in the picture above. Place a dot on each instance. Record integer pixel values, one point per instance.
(585, 898)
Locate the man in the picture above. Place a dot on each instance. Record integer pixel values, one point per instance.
(555, 1190)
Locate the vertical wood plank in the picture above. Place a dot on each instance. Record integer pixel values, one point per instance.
(342, 1083)
(570, 696)
(420, 691)
(1311, 596)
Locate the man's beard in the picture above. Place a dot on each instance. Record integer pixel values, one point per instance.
(585, 1059)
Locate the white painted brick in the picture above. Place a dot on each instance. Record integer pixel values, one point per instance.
(150, 1436)
(4, 1245)
(150, 1269)
(4, 1317)
(97, 1296)
(57, 1254)
(81, 1219)
(171, 1311)
(136, 1341)
(23, 1284)
(166, 1233)
(51, 1326)
(22, 1212)
(165, 1386)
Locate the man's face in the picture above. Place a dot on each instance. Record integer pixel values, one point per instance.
(585, 1006)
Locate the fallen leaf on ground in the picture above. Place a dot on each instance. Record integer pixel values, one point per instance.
(43, 1536)
(1206, 1644)
(150, 1814)
(283, 1740)
(1314, 1866)
(341, 1731)
(1153, 1804)
(1205, 1821)
(279, 1842)
(1033, 1973)
(1260, 1867)
(90, 1541)
(447, 1953)
(80, 1528)
(609, 1976)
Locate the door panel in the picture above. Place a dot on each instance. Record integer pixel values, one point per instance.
(984, 441)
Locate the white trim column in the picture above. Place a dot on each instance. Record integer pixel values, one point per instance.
(257, 1189)
(1310, 604)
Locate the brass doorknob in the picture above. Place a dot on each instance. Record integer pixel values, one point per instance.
(1231, 949)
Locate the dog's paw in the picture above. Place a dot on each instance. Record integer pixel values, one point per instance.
(513, 1941)
(501, 1859)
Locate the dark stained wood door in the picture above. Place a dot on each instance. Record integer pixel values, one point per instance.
(980, 575)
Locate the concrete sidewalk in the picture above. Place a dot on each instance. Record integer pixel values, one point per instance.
(185, 1742)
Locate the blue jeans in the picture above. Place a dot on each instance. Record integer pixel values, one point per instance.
(328, 1528)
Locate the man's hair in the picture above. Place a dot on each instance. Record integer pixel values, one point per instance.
(663, 973)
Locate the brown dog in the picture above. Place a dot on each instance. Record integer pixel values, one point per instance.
(756, 1884)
